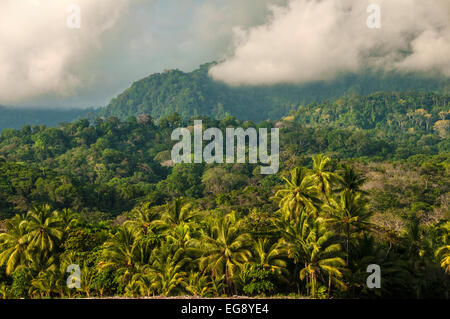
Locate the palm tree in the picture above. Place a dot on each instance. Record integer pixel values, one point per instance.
(87, 277)
(14, 244)
(122, 252)
(225, 246)
(270, 256)
(350, 214)
(396, 273)
(180, 235)
(44, 283)
(4, 291)
(324, 177)
(38, 261)
(51, 278)
(310, 244)
(445, 261)
(67, 218)
(135, 288)
(145, 219)
(166, 266)
(199, 285)
(350, 180)
(142, 283)
(444, 251)
(43, 229)
(300, 194)
(177, 212)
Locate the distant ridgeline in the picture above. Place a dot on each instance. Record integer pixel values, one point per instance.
(195, 93)
(16, 118)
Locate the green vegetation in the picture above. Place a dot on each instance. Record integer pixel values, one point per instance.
(195, 93)
(363, 180)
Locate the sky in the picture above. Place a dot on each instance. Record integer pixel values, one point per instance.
(44, 63)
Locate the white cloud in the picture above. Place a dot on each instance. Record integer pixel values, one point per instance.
(314, 40)
(42, 62)
(39, 55)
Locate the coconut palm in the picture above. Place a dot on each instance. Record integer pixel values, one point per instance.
(177, 212)
(51, 278)
(44, 228)
(324, 177)
(311, 245)
(166, 267)
(350, 180)
(44, 283)
(67, 218)
(444, 251)
(4, 291)
(180, 235)
(144, 219)
(87, 278)
(225, 248)
(14, 244)
(270, 255)
(349, 214)
(199, 285)
(299, 194)
(134, 288)
(367, 251)
(122, 252)
(142, 283)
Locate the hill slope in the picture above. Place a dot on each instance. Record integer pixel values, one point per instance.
(195, 93)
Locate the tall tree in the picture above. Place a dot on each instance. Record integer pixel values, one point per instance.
(270, 255)
(299, 194)
(350, 180)
(311, 244)
(226, 248)
(14, 244)
(325, 178)
(350, 214)
(44, 228)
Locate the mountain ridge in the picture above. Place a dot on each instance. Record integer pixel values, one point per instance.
(196, 94)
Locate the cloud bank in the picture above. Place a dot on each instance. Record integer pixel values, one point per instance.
(39, 54)
(316, 40)
(43, 63)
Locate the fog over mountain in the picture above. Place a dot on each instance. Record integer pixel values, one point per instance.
(318, 40)
(42, 62)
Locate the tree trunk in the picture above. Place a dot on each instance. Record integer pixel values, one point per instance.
(329, 284)
(348, 240)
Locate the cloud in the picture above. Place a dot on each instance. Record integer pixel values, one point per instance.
(43, 63)
(316, 40)
(40, 55)
(213, 23)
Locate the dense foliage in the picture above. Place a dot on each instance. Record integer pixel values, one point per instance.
(195, 93)
(317, 243)
(106, 196)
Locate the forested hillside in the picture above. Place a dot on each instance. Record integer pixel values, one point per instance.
(195, 93)
(362, 180)
(109, 165)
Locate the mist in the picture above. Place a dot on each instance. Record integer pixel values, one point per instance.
(43, 63)
(312, 40)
